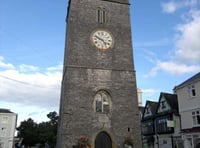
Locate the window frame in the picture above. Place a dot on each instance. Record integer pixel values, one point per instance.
(101, 15)
(192, 90)
(4, 119)
(105, 105)
(147, 127)
(163, 104)
(2, 144)
(4, 130)
(161, 124)
(196, 117)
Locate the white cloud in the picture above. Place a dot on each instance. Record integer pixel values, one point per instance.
(185, 57)
(55, 68)
(149, 91)
(173, 5)
(5, 65)
(173, 68)
(188, 41)
(38, 114)
(27, 68)
(150, 94)
(39, 89)
(169, 7)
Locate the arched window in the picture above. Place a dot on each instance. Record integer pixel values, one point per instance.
(102, 102)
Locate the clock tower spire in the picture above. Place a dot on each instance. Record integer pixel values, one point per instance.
(99, 92)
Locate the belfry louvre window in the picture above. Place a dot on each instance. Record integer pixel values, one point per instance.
(101, 15)
(102, 102)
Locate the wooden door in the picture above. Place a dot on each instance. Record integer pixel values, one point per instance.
(103, 140)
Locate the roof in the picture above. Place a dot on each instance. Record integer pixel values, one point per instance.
(3, 110)
(172, 100)
(152, 105)
(190, 80)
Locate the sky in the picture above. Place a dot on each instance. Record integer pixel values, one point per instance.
(166, 44)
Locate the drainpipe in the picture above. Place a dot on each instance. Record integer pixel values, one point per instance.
(172, 141)
(157, 140)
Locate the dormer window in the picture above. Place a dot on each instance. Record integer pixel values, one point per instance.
(163, 104)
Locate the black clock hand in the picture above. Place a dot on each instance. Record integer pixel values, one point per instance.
(100, 39)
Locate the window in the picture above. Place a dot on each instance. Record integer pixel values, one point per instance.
(192, 91)
(147, 128)
(3, 131)
(1, 145)
(163, 104)
(102, 102)
(4, 119)
(147, 110)
(101, 16)
(161, 125)
(196, 117)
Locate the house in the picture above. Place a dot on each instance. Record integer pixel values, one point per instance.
(141, 110)
(188, 94)
(167, 121)
(160, 123)
(8, 122)
(147, 124)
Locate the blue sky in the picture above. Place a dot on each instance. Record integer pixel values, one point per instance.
(166, 42)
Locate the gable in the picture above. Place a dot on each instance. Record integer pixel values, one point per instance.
(163, 105)
(147, 111)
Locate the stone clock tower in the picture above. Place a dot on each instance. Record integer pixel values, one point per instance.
(99, 95)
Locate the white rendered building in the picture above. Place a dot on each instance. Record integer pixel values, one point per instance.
(8, 121)
(188, 94)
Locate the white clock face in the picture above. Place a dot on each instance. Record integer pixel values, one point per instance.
(102, 39)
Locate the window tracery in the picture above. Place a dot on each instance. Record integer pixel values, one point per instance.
(102, 102)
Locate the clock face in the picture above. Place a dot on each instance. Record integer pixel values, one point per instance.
(102, 39)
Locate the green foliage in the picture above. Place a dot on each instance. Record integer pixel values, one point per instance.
(33, 133)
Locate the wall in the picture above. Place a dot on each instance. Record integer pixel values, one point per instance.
(187, 104)
(7, 129)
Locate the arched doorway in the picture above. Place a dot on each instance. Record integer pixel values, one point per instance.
(103, 140)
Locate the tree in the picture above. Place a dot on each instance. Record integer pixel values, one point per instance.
(53, 116)
(27, 131)
(50, 130)
(33, 133)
